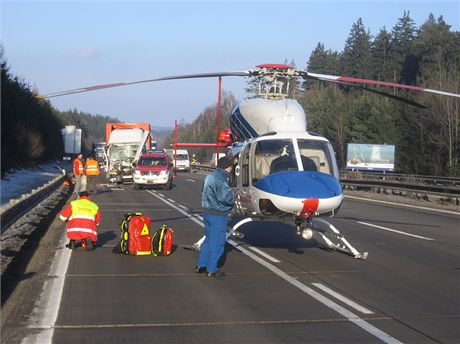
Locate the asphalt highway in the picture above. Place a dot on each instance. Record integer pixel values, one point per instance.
(278, 287)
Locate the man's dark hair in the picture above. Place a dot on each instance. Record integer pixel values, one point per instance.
(83, 193)
(224, 162)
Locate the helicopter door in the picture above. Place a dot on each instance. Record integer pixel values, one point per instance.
(243, 180)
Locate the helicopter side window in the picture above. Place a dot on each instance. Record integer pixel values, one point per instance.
(245, 166)
(233, 177)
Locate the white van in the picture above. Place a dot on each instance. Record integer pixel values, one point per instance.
(182, 158)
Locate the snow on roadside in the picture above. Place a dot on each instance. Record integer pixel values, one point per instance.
(22, 181)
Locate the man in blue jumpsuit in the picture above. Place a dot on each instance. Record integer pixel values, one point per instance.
(217, 202)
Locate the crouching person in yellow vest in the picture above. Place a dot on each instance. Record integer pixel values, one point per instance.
(82, 217)
(92, 171)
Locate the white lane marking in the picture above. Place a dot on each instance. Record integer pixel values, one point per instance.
(394, 230)
(342, 298)
(191, 217)
(263, 254)
(191, 180)
(171, 200)
(324, 300)
(45, 313)
(404, 205)
(181, 206)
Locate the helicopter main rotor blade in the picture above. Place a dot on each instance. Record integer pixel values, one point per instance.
(118, 84)
(388, 95)
(344, 79)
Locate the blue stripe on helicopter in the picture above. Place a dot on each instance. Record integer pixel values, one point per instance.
(300, 184)
(241, 126)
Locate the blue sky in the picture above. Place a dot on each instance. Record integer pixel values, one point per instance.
(59, 45)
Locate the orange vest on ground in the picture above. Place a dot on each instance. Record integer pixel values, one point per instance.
(77, 167)
(92, 167)
(84, 217)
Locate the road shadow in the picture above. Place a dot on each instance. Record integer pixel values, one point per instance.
(104, 238)
(273, 234)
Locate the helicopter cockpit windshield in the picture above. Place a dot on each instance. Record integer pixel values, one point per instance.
(320, 153)
(279, 155)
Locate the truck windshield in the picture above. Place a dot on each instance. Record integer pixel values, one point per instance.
(182, 157)
(122, 152)
(152, 161)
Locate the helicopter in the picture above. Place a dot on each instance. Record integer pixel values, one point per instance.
(281, 170)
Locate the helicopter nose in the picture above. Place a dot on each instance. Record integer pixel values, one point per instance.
(300, 184)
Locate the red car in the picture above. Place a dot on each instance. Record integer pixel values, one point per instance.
(153, 169)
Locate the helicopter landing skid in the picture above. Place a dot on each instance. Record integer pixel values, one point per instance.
(342, 244)
(233, 231)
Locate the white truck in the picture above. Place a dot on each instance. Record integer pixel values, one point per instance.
(125, 144)
(182, 159)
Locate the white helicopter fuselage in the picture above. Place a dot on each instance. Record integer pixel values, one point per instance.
(282, 169)
(274, 181)
(257, 116)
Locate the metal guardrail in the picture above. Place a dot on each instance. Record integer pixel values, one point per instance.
(20, 206)
(421, 187)
(405, 178)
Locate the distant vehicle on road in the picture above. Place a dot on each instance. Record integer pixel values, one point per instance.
(99, 151)
(153, 169)
(182, 159)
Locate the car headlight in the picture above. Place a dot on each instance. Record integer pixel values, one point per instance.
(162, 173)
(137, 173)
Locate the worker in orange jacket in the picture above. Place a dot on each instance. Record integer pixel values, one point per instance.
(78, 171)
(82, 216)
(91, 170)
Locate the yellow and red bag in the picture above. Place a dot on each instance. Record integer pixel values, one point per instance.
(135, 235)
(162, 241)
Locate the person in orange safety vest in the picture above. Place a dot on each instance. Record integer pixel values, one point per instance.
(82, 216)
(92, 171)
(78, 171)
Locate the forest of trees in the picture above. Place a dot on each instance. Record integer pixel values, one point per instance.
(92, 126)
(427, 139)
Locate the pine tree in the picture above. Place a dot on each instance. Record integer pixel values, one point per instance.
(380, 50)
(322, 61)
(356, 59)
(404, 63)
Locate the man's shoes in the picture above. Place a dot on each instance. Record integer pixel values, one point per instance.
(200, 270)
(217, 273)
(71, 245)
(87, 244)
